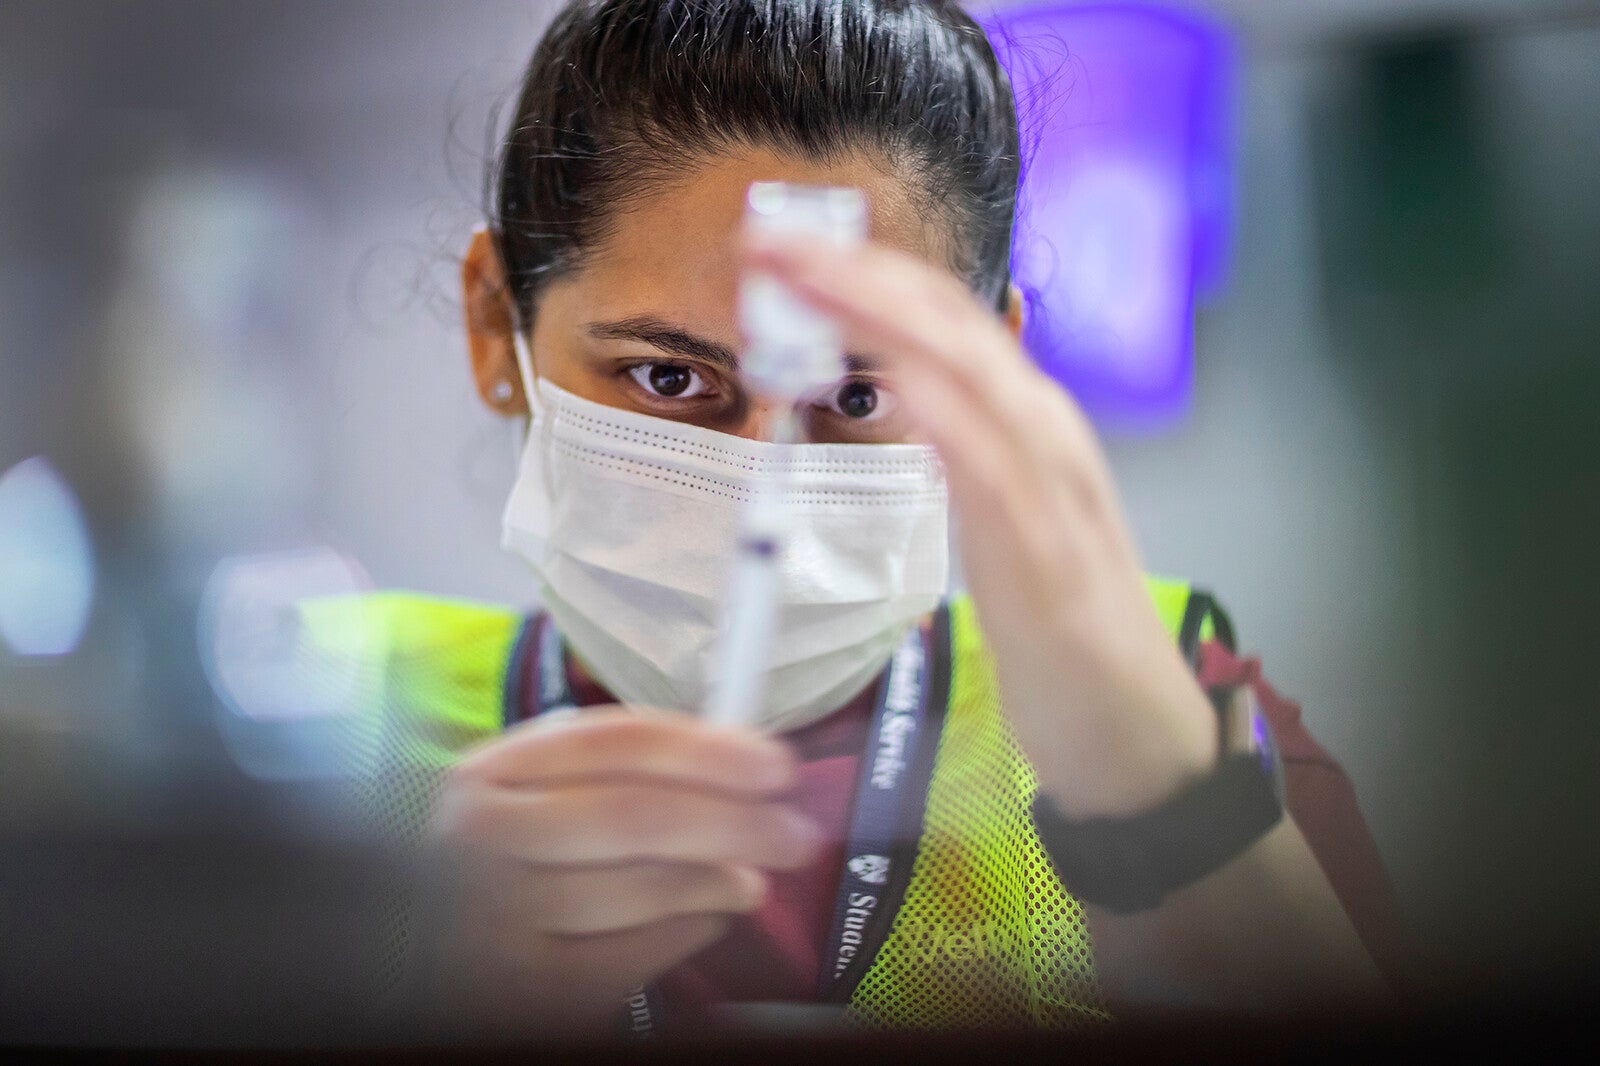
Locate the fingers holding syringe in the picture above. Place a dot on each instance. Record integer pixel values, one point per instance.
(606, 847)
(605, 823)
(629, 742)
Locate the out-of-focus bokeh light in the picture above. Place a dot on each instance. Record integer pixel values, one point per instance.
(47, 571)
(283, 697)
(207, 343)
(1126, 195)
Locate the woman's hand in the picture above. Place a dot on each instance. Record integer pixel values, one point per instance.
(602, 850)
(1101, 700)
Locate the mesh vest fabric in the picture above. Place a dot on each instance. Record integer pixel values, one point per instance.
(442, 669)
(986, 935)
(433, 672)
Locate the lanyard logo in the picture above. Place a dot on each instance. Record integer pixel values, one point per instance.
(873, 869)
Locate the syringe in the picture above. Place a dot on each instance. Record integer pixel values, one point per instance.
(791, 351)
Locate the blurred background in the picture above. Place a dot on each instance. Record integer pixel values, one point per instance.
(229, 331)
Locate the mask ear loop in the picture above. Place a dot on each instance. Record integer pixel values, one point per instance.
(522, 428)
(530, 380)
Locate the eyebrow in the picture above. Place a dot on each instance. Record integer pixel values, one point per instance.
(676, 341)
(668, 338)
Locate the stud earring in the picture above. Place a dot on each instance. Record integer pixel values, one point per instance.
(501, 392)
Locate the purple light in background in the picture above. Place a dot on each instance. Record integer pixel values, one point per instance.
(1126, 199)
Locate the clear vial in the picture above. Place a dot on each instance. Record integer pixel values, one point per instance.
(791, 349)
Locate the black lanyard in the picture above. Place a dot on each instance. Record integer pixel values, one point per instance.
(885, 822)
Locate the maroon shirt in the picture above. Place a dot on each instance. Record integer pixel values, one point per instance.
(775, 954)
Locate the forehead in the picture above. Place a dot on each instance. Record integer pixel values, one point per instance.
(675, 247)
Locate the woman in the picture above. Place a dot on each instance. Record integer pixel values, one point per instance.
(643, 865)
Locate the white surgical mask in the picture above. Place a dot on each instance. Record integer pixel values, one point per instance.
(630, 523)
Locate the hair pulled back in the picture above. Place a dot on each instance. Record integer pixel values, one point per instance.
(624, 94)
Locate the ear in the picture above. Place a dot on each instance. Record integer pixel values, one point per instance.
(1016, 310)
(491, 327)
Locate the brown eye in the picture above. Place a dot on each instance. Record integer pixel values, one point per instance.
(672, 381)
(857, 399)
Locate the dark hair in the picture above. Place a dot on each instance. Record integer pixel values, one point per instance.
(624, 93)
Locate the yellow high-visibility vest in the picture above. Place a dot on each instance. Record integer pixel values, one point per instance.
(986, 934)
